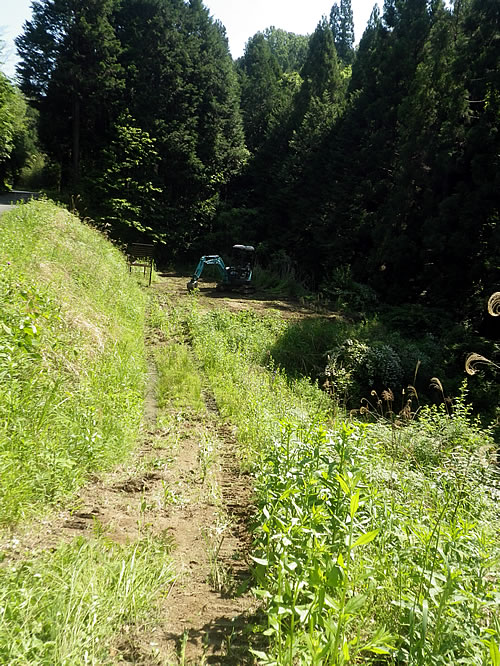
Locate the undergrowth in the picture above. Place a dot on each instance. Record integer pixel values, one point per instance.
(359, 353)
(71, 606)
(374, 543)
(234, 351)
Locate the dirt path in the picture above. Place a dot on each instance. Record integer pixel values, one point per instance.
(174, 285)
(173, 488)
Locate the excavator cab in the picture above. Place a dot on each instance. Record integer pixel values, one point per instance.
(236, 276)
(241, 269)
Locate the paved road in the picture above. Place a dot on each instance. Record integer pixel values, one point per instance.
(7, 201)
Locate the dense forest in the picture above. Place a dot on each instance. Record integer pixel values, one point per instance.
(382, 158)
(375, 164)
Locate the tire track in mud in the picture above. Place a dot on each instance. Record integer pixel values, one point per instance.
(206, 614)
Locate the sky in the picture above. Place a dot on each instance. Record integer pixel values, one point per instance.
(242, 19)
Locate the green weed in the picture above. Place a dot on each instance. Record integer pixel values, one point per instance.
(219, 578)
(72, 363)
(179, 383)
(70, 606)
(234, 351)
(374, 543)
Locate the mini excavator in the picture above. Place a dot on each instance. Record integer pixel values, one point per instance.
(237, 276)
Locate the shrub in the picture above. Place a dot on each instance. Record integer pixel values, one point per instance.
(346, 293)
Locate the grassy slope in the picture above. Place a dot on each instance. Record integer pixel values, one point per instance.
(72, 362)
(372, 543)
(72, 372)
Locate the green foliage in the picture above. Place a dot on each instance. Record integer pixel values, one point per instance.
(290, 49)
(122, 185)
(72, 362)
(389, 350)
(6, 119)
(356, 358)
(69, 67)
(149, 141)
(304, 109)
(269, 80)
(69, 606)
(16, 132)
(385, 160)
(342, 25)
(312, 531)
(371, 541)
(278, 274)
(232, 350)
(345, 293)
(449, 435)
(321, 69)
(396, 179)
(188, 106)
(260, 74)
(350, 566)
(179, 383)
(38, 172)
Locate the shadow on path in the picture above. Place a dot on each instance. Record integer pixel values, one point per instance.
(15, 196)
(225, 641)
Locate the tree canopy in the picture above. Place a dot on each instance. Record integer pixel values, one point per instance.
(382, 158)
(88, 64)
(17, 133)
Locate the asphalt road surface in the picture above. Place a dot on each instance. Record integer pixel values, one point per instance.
(7, 201)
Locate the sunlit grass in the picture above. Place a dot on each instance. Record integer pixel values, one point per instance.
(70, 606)
(179, 384)
(373, 543)
(72, 361)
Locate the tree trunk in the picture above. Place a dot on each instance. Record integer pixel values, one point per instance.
(76, 140)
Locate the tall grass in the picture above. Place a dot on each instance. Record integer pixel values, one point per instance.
(373, 544)
(72, 378)
(179, 385)
(72, 362)
(234, 350)
(69, 607)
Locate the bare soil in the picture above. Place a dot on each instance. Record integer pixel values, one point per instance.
(174, 285)
(206, 616)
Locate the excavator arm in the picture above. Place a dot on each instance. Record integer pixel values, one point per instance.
(236, 276)
(207, 260)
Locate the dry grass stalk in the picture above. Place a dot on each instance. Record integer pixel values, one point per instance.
(494, 304)
(473, 360)
(436, 384)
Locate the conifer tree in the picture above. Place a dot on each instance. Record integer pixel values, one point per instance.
(260, 75)
(182, 90)
(388, 56)
(164, 63)
(320, 99)
(69, 68)
(317, 106)
(440, 217)
(342, 26)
